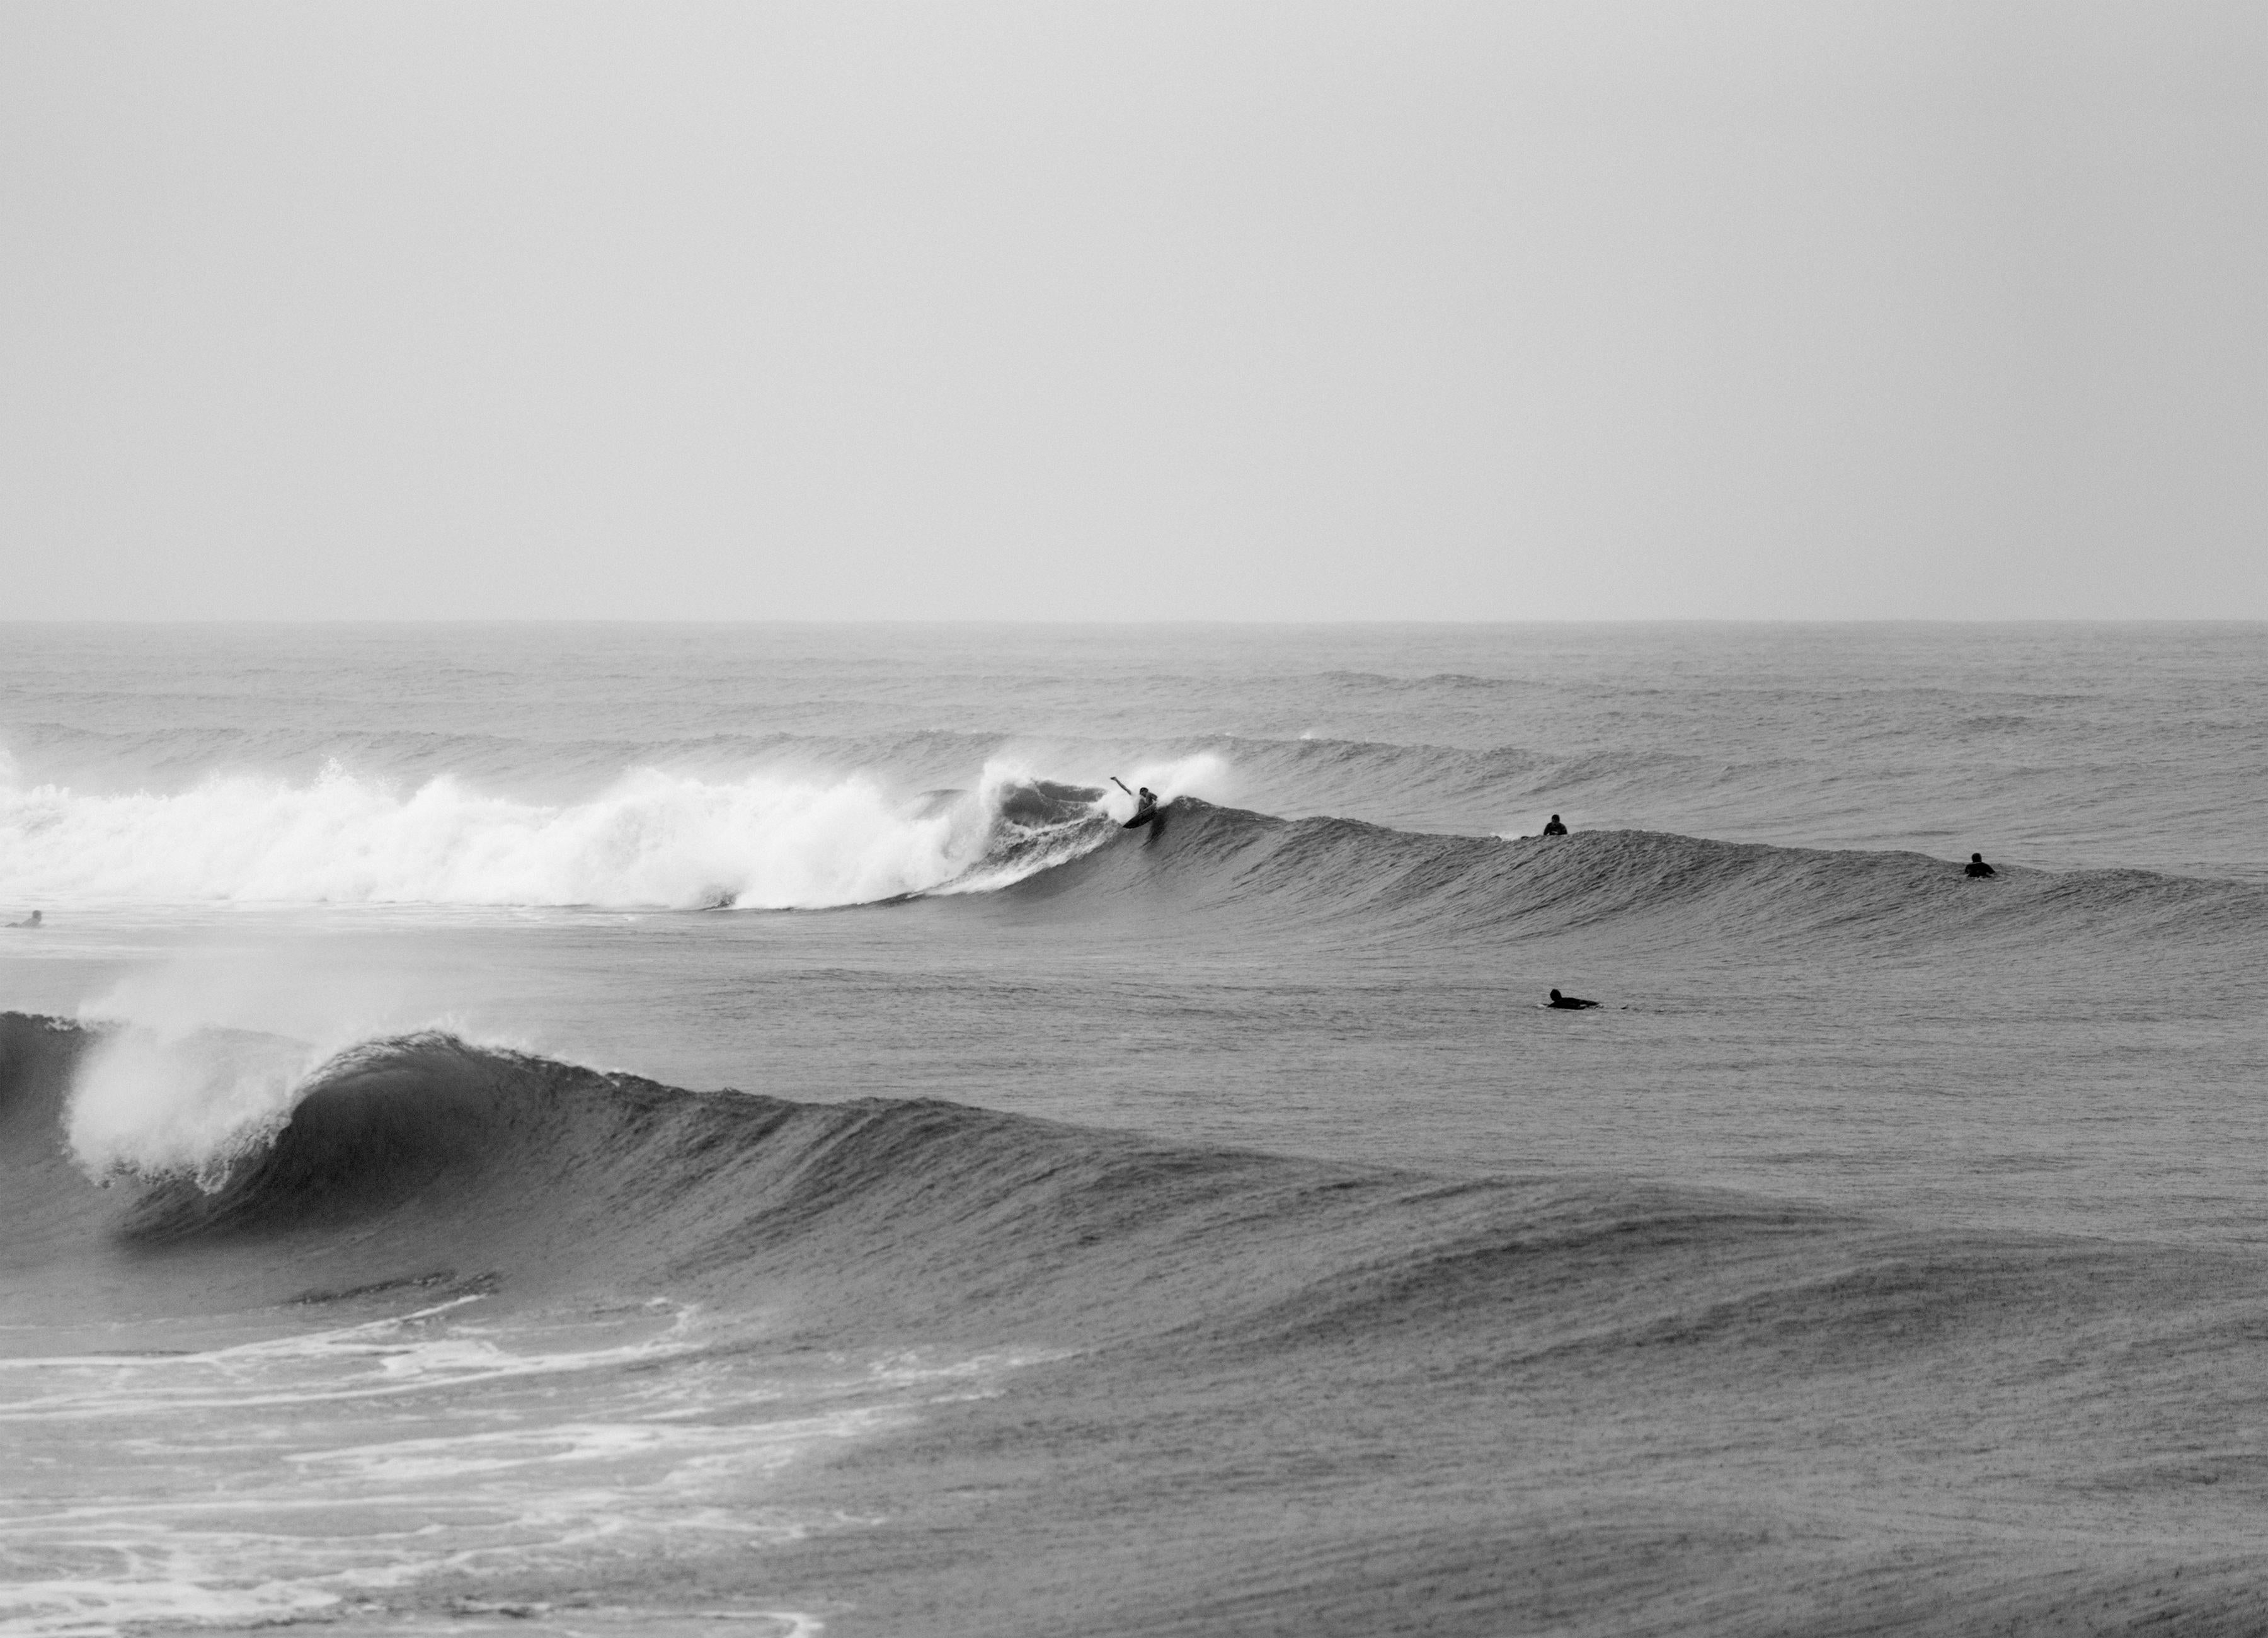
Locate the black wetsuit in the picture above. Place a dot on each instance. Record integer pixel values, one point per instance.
(1568, 1003)
(1978, 867)
(1555, 828)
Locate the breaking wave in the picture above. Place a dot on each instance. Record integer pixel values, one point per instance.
(655, 838)
(400, 1154)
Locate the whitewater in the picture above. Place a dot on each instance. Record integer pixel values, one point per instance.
(612, 1129)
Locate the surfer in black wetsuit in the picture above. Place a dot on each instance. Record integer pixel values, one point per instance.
(1145, 804)
(31, 921)
(1978, 867)
(1568, 1003)
(1555, 828)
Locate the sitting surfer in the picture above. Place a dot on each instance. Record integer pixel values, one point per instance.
(1555, 828)
(31, 921)
(1568, 1003)
(1978, 867)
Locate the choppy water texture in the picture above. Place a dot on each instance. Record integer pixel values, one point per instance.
(662, 1131)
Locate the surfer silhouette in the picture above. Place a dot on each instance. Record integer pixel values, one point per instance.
(31, 921)
(1145, 804)
(1555, 828)
(1568, 1003)
(1978, 867)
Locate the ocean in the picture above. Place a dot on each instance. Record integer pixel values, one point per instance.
(719, 1129)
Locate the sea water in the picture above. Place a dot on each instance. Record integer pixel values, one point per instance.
(640, 1129)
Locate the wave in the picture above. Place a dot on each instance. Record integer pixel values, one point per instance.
(1346, 878)
(53, 1214)
(767, 840)
(555, 819)
(422, 1160)
(843, 831)
(391, 1159)
(1423, 785)
(808, 840)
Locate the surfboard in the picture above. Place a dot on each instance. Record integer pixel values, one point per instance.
(1140, 820)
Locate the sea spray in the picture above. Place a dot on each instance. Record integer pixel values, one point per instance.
(1040, 823)
(153, 1103)
(200, 1061)
(651, 839)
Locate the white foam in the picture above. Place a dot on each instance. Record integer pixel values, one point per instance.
(159, 1105)
(534, 1447)
(1056, 844)
(204, 1058)
(653, 839)
(409, 1354)
(582, 1620)
(88, 1606)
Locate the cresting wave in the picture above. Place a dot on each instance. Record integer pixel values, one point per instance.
(765, 840)
(777, 840)
(400, 1155)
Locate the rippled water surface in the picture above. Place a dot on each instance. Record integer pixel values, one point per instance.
(1197, 1228)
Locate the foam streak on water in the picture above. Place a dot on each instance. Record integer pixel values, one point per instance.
(344, 1469)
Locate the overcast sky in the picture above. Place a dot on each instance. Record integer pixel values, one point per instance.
(1220, 310)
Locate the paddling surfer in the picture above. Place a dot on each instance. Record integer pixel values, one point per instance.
(1977, 868)
(31, 921)
(1555, 828)
(1568, 1003)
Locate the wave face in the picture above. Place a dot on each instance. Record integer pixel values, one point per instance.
(399, 1149)
(1350, 881)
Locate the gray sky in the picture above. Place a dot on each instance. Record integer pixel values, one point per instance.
(1152, 310)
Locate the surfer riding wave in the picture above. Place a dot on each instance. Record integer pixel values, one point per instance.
(1145, 804)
